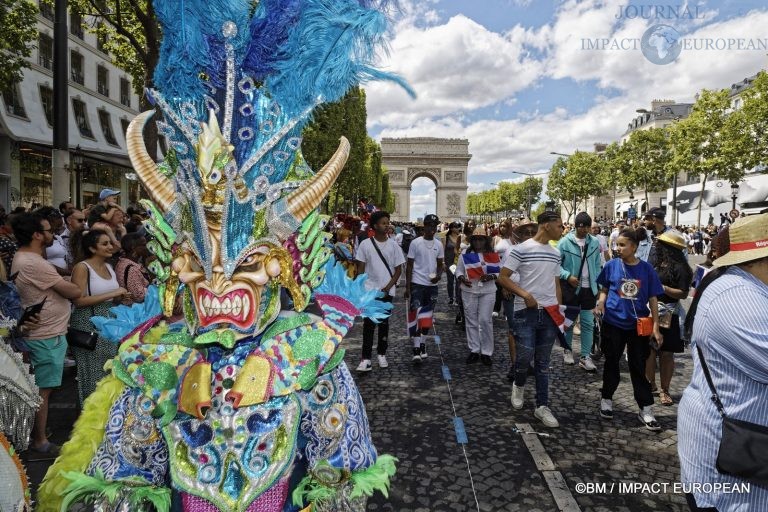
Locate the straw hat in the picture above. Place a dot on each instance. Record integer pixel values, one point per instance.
(749, 241)
(674, 238)
(478, 232)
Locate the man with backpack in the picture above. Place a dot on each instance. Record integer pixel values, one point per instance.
(381, 259)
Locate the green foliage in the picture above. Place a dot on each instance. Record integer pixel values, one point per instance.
(17, 39)
(363, 176)
(703, 145)
(132, 36)
(576, 178)
(648, 154)
(746, 129)
(506, 197)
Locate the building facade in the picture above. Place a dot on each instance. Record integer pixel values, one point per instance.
(101, 103)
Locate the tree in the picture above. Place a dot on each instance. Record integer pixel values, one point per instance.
(576, 178)
(17, 39)
(703, 145)
(747, 128)
(132, 37)
(648, 154)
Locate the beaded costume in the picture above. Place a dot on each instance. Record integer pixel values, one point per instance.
(247, 404)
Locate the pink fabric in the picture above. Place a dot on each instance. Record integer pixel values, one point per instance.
(272, 500)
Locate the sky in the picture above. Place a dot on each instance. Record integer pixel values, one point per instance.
(522, 78)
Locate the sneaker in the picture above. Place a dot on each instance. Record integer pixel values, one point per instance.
(647, 418)
(473, 357)
(545, 415)
(423, 350)
(495, 314)
(517, 397)
(416, 355)
(382, 361)
(568, 356)
(606, 408)
(486, 360)
(587, 364)
(364, 366)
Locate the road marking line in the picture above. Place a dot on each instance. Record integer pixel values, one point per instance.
(555, 481)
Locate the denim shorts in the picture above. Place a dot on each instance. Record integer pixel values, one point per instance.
(423, 296)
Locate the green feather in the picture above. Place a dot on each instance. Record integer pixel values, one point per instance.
(374, 478)
(159, 497)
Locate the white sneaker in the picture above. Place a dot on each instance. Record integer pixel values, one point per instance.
(606, 408)
(495, 314)
(587, 364)
(364, 366)
(545, 415)
(517, 396)
(383, 361)
(568, 356)
(647, 418)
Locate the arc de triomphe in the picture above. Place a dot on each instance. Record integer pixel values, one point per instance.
(444, 161)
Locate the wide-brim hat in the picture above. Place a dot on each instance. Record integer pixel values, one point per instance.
(479, 232)
(674, 238)
(522, 227)
(749, 241)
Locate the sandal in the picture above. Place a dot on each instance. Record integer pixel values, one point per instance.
(47, 451)
(665, 399)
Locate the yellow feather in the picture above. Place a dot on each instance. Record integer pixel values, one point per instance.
(77, 453)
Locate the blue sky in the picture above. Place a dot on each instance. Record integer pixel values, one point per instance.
(516, 79)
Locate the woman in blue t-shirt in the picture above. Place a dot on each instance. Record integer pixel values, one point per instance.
(628, 286)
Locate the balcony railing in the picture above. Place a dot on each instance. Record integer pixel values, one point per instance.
(103, 90)
(77, 76)
(76, 31)
(125, 100)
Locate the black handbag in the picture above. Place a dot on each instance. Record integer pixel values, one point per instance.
(743, 448)
(82, 339)
(77, 337)
(569, 293)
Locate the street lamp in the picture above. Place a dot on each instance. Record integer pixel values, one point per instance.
(734, 194)
(76, 158)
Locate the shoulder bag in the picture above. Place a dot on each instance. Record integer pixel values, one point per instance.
(644, 324)
(743, 450)
(83, 339)
(568, 292)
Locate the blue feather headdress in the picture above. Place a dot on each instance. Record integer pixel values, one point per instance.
(236, 85)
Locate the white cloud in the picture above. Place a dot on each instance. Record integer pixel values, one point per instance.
(460, 66)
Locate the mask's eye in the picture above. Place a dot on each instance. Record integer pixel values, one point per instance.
(252, 263)
(194, 265)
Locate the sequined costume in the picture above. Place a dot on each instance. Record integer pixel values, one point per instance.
(247, 404)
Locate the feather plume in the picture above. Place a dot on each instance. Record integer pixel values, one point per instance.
(77, 453)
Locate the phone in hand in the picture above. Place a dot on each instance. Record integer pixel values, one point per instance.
(31, 311)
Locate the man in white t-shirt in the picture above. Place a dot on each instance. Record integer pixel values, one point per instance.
(422, 273)
(605, 253)
(381, 259)
(538, 265)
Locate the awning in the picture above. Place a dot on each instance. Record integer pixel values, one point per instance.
(622, 207)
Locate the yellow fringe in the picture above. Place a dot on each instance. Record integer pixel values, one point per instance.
(86, 437)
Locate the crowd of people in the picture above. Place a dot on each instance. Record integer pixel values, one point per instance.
(69, 265)
(622, 286)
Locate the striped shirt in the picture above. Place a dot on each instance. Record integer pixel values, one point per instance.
(538, 266)
(732, 330)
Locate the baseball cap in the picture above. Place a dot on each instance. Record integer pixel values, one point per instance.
(656, 213)
(108, 192)
(583, 220)
(431, 219)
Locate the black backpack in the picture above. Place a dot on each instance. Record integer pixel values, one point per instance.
(408, 237)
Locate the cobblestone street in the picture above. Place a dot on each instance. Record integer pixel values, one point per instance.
(412, 417)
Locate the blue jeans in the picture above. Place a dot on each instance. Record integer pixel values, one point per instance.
(535, 334)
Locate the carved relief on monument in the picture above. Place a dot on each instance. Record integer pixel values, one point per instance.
(454, 204)
(395, 176)
(454, 176)
(434, 172)
(397, 204)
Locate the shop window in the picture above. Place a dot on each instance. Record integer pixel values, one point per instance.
(76, 68)
(125, 92)
(81, 118)
(46, 10)
(12, 99)
(45, 51)
(102, 80)
(106, 127)
(76, 24)
(46, 99)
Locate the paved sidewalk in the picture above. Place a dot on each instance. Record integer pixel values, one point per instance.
(411, 416)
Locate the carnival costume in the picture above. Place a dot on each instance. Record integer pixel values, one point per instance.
(247, 406)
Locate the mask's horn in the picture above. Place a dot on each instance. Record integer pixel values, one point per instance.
(306, 198)
(159, 188)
